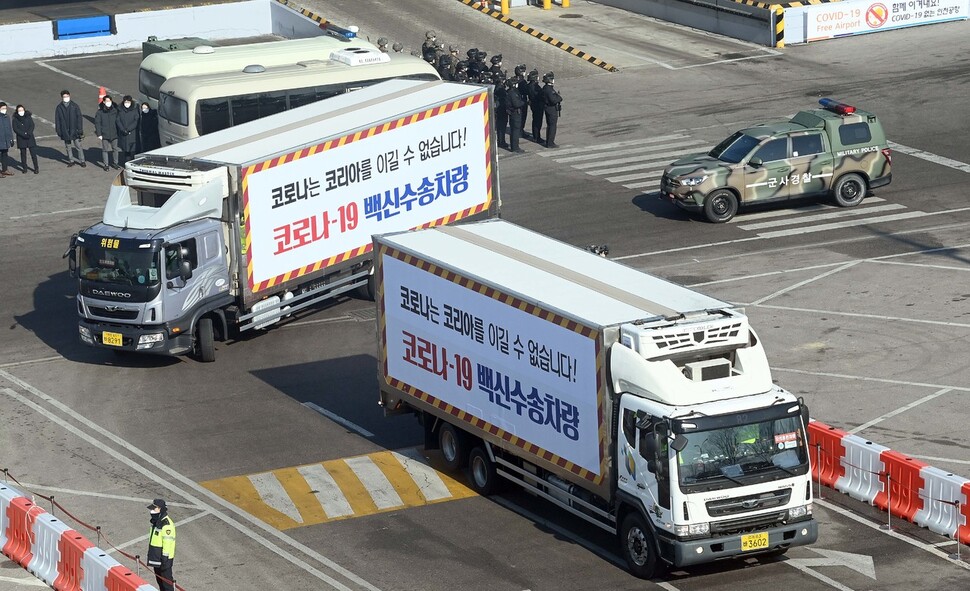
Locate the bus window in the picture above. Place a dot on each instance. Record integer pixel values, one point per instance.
(149, 83)
(173, 109)
(245, 108)
(305, 96)
(271, 103)
(212, 115)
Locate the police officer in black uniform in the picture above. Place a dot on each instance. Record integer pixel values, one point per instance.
(516, 109)
(445, 67)
(461, 71)
(523, 89)
(497, 66)
(501, 110)
(535, 105)
(552, 103)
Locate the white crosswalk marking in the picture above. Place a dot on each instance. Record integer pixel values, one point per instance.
(661, 161)
(327, 491)
(430, 484)
(378, 486)
(272, 493)
(596, 155)
(842, 213)
(585, 149)
(774, 213)
(846, 224)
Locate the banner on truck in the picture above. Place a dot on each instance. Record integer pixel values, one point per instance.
(534, 378)
(319, 206)
(854, 17)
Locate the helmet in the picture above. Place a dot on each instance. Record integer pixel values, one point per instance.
(453, 49)
(472, 53)
(520, 69)
(398, 47)
(550, 77)
(461, 66)
(430, 35)
(534, 75)
(481, 56)
(510, 83)
(444, 60)
(382, 41)
(496, 59)
(440, 45)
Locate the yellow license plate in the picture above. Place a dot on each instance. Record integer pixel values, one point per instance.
(112, 339)
(754, 542)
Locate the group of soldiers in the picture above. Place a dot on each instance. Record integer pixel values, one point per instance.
(515, 96)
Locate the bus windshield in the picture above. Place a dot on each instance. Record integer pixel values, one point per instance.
(173, 109)
(736, 452)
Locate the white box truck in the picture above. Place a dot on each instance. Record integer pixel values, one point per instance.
(639, 405)
(238, 228)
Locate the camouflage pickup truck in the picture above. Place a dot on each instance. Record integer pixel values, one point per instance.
(837, 150)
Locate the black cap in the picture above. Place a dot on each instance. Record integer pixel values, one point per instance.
(160, 503)
(65, 91)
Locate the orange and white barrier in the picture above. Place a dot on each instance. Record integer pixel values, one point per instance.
(57, 555)
(906, 487)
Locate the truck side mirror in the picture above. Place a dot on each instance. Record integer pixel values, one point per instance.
(755, 162)
(804, 412)
(679, 443)
(185, 270)
(71, 255)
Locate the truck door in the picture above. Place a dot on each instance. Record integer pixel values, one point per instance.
(811, 164)
(767, 171)
(636, 475)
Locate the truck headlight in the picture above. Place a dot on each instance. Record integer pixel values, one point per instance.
(692, 181)
(694, 529)
(800, 511)
(146, 341)
(85, 334)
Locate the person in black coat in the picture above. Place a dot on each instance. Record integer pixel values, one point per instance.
(127, 129)
(516, 109)
(501, 96)
(536, 105)
(69, 126)
(6, 139)
(23, 128)
(148, 129)
(552, 102)
(106, 128)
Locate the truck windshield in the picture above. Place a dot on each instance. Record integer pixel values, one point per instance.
(120, 266)
(734, 453)
(734, 148)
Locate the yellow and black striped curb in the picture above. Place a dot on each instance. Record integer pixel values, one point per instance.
(481, 7)
(793, 4)
(313, 17)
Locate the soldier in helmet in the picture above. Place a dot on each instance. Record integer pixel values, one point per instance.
(516, 107)
(522, 86)
(552, 106)
(501, 109)
(473, 66)
(497, 65)
(382, 44)
(453, 54)
(429, 47)
(398, 47)
(535, 105)
(461, 71)
(445, 67)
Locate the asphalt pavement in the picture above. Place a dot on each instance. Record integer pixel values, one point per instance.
(863, 312)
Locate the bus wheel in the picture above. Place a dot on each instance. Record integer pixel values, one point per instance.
(205, 346)
(637, 545)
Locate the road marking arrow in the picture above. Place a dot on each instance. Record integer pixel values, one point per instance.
(861, 563)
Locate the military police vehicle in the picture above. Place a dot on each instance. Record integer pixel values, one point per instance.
(837, 150)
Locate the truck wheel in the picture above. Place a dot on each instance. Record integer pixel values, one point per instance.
(481, 472)
(368, 291)
(720, 206)
(849, 190)
(637, 545)
(205, 345)
(451, 441)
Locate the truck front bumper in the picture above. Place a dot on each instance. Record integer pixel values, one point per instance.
(687, 553)
(142, 339)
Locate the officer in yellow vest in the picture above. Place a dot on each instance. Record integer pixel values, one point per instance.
(161, 545)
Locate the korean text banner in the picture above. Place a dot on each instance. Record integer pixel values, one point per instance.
(321, 205)
(525, 375)
(855, 17)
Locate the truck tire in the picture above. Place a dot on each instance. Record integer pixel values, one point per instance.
(205, 341)
(453, 446)
(638, 546)
(481, 472)
(850, 190)
(368, 291)
(720, 206)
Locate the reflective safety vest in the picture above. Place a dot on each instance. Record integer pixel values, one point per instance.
(161, 542)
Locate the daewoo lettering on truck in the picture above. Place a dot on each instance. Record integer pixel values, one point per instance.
(239, 228)
(641, 406)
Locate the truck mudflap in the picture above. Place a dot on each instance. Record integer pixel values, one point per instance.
(687, 553)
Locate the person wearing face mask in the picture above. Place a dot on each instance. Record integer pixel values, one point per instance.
(148, 129)
(127, 130)
(23, 128)
(6, 139)
(69, 126)
(106, 128)
(161, 545)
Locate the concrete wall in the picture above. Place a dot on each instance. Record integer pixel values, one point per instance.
(221, 21)
(724, 17)
(291, 24)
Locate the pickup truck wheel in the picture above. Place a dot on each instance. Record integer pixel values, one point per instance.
(451, 441)
(205, 345)
(849, 190)
(481, 472)
(720, 206)
(637, 545)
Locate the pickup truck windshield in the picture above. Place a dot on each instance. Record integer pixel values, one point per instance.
(734, 453)
(119, 266)
(734, 148)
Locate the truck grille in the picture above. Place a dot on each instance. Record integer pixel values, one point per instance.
(118, 314)
(687, 338)
(752, 523)
(777, 498)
